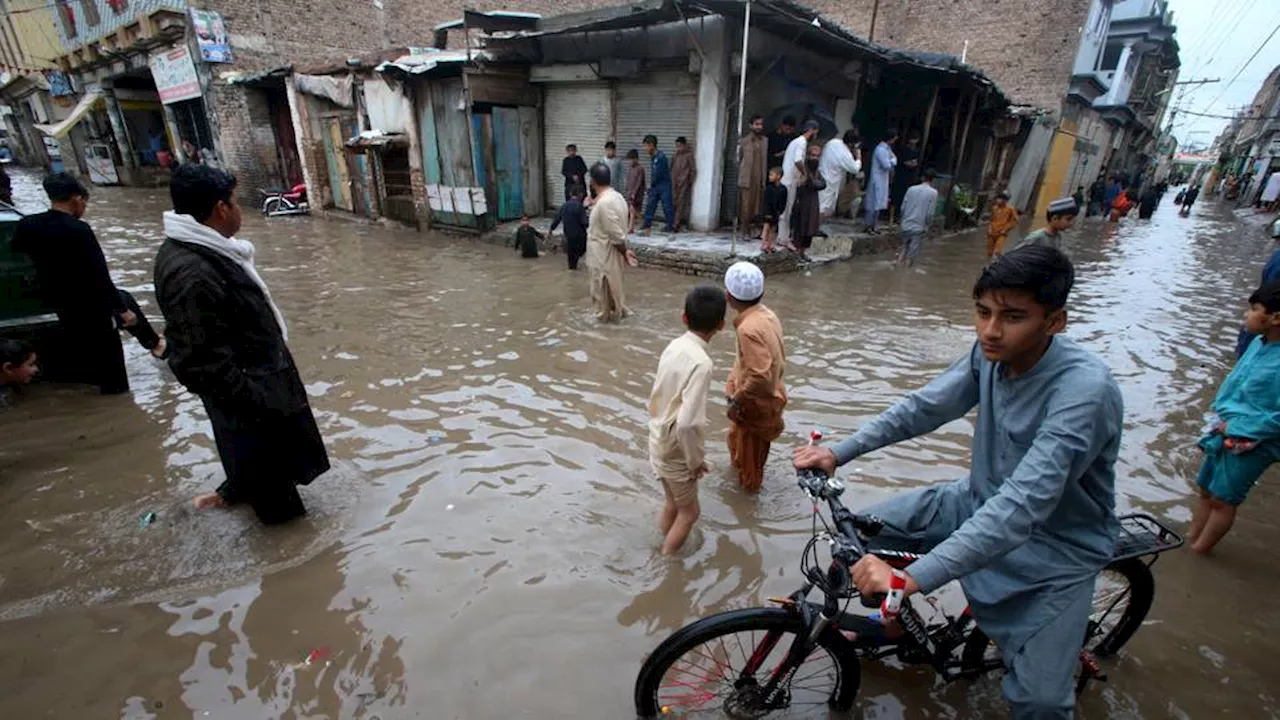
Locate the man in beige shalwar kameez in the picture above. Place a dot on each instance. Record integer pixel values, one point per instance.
(607, 251)
(753, 170)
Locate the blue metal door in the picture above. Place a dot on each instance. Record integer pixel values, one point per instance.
(506, 162)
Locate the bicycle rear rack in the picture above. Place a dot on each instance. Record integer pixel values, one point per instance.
(1142, 534)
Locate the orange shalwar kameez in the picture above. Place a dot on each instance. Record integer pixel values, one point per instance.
(756, 384)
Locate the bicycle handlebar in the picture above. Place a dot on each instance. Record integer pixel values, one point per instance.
(847, 543)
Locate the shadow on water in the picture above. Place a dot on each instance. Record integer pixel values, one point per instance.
(485, 546)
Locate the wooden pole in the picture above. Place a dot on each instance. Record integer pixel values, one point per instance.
(955, 134)
(964, 138)
(742, 101)
(959, 152)
(928, 122)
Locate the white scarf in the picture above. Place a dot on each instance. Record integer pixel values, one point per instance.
(185, 229)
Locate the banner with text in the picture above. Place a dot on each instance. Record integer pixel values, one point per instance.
(175, 75)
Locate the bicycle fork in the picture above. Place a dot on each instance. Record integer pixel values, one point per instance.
(774, 693)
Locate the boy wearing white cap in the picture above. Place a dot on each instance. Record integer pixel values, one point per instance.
(755, 391)
(678, 414)
(1060, 216)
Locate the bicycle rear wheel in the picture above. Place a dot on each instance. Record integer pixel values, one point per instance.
(1121, 600)
(716, 667)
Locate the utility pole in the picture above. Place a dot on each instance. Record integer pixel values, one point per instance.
(1182, 89)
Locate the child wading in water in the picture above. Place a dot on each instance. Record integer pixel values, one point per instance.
(17, 366)
(678, 414)
(1004, 218)
(527, 236)
(1243, 435)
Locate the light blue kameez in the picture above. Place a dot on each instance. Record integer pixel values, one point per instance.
(1030, 528)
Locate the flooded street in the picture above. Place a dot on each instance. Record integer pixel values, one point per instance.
(485, 546)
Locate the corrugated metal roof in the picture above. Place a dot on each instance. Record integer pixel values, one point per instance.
(426, 62)
(239, 78)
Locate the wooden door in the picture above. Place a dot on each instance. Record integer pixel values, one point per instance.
(335, 158)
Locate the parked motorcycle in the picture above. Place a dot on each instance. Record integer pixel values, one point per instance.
(285, 202)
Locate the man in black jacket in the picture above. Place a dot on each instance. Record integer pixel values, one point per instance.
(74, 281)
(227, 345)
(574, 216)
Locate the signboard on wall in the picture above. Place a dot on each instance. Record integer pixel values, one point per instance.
(211, 36)
(175, 75)
(59, 83)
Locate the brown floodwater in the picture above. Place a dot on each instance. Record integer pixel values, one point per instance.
(485, 546)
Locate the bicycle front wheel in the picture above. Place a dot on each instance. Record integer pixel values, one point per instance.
(717, 667)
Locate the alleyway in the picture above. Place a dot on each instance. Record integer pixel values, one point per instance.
(484, 547)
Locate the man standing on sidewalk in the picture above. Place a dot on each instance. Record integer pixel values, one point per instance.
(792, 172)
(684, 169)
(660, 189)
(883, 161)
(753, 167)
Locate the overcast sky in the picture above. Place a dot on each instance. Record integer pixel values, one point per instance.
(1216, 38)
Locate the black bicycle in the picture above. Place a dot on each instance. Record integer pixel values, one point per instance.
(801, 657)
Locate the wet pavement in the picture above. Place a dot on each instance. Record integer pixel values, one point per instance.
(485, 545)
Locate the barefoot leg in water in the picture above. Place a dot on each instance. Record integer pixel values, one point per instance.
(209, 500)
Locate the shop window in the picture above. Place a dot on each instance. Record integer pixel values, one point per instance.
(89, 8)
(67, 18)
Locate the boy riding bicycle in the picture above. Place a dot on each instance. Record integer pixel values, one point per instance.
(1031, 527)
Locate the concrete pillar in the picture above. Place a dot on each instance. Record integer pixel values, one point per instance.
(708, 143)
(1118, 84)
(124, 143)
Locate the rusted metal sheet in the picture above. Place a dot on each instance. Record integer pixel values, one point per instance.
(502, 89)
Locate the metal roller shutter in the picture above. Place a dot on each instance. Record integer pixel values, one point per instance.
(575, 113)
(662, 103)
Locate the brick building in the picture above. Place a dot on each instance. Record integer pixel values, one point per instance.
(133, 119)
(1026, 46)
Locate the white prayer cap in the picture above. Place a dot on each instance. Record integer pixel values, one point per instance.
(744, 281)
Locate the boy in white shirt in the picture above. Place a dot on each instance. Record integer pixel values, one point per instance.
(678, 413)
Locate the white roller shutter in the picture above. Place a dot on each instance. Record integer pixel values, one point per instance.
(576, 113)
(664, 104)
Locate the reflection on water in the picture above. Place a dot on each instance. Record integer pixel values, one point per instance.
(485, 546)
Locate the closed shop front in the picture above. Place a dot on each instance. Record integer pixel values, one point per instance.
(664, 104)
(577, 113)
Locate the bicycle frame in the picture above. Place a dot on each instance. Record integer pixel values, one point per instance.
(851, 638)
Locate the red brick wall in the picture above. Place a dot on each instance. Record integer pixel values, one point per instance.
(1027, 47)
